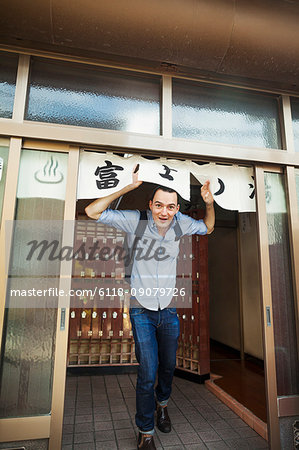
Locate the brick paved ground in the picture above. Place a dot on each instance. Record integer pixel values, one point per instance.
(99, 414)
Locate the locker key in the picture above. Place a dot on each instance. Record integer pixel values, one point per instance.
(114, 314)
(73, 314)
(192, 317)
(104, 315)
(83, 314)
(125, 315)
(89, 333)
(94, 314)
(184, 316)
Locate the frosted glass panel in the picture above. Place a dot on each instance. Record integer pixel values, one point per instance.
(286, 356)
(295, 117)
(229, 116)
(76, 94)
(3, 170)
(29, 333)
(8, 75)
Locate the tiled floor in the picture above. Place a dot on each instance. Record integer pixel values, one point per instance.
(99, 414)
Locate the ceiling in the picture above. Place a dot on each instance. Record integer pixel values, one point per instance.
(253, 40)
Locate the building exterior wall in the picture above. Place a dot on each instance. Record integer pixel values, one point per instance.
(56, 135)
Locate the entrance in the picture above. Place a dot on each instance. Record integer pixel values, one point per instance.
(27, 421)
(225, 303)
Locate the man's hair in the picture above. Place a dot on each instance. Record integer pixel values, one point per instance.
(165, 189)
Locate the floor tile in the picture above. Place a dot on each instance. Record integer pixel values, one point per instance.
(107, 445)
(183, 428)
(208, 436)
(124, 423)
(196, 447)
(227, 433)
(237, 444)
(84, 418)
(246, 432)
(103, 426)
(190, 438)
(85, 446)
(104, 435)
(126, 433)
(83, 427)
(83, 437)
(219, 424)
(127, 444)
(218, 445)
(257, 442)
(120, 415)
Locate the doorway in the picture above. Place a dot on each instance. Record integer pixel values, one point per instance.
(237, 359)
(103, 337)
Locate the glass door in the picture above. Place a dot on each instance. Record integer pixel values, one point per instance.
(35, 326)
(277, 235)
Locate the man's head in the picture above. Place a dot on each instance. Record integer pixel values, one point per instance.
(164, 205)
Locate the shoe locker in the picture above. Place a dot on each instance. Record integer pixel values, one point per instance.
(100, 331)
(193, 353)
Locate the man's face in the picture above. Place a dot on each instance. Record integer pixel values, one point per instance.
(163, 207)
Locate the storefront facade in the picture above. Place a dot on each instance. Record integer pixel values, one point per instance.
(62, 104)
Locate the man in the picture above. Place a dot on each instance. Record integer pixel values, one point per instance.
(155, 325)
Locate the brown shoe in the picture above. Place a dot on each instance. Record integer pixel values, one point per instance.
(163, 420)
(146, 441)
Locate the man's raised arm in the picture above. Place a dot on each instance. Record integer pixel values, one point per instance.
(207, 196)
(95, 209)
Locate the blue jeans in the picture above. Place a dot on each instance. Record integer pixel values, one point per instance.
(156, 339)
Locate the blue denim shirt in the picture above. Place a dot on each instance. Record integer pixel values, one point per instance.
(153, 278)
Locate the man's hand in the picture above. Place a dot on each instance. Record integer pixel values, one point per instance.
(135, 182)
(207, 196)
(206, 193)
(95, 209)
